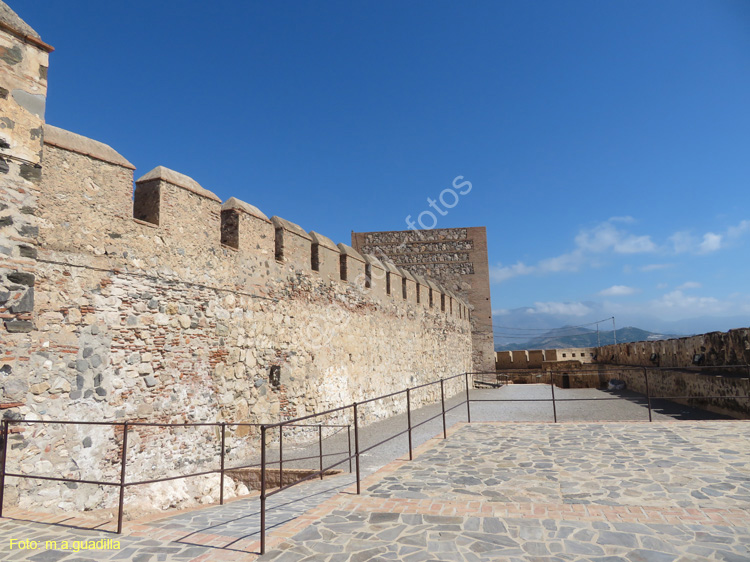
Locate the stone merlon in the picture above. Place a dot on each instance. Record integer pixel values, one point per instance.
(372, 260)
(73, 142)
(235, 204)
(405, 273)
(350, 252)
(290, 226)
(178, 179)
(324, 241)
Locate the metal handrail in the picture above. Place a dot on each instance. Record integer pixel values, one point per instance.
(355, 456)
(122, 484)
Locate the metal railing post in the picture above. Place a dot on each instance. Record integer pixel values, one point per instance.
(349, 442)
(408, 420)
(121, 504)
(442, 400)
(262, 489)
(648, 393)
(281, 455)
(356, 445)
(552, 386)
(468, 405)
(4, 453)
(320, 449)
(223, 448)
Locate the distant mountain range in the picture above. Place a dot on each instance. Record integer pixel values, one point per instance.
(570, 336)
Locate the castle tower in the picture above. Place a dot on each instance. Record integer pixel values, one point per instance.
(457, 258)
(23, 91)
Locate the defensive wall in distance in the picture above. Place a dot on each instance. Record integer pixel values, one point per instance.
(457, 258)
(161, 303)
(535, 358)
(697, 366)
(705, 350)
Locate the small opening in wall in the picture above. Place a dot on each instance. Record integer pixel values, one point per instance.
(279, 244)
(342, 265)
(564, 355)
(315, 257)
(274, 376)
(451, 307)
(403, 288)
(419, 294)
(230, 228)
(431, 302)
(387, 283)
(146, 202)
(442, 302)
(368, 276)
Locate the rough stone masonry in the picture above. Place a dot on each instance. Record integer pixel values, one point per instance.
(457, 257)
(164, 304)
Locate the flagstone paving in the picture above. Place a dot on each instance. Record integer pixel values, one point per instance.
(491, 491)
(542, 492)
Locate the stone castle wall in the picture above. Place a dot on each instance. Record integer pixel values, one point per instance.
(711, 349)
(163, 304)
(535, 358)
(457, 258)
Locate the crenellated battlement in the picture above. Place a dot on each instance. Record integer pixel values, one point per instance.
(153, 300)
(90, 187)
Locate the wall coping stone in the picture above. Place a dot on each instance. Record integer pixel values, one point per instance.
(350, 252)
(405, 273)
(13, 20)
(13, 24)
(67, 140)
(178, 179)
(391, 267)
(324, 241)
(372, 260)
(291, 227)
(235, 204)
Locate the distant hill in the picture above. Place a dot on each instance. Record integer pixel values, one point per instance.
(583, 337)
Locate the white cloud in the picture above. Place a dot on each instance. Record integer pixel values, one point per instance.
(618, 291)
(689, 285)
(711, 243)
(606, 236)
(603, 238)
(560, 308)
(655, 266)
(610, 237)
(739, 230)
(678, 299)
(684, 241)
(501, 273)
(565, 262)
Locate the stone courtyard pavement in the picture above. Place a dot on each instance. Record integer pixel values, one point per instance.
(630, 492)
(610, 492)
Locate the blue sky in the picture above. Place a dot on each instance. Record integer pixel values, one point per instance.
(607, 143)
